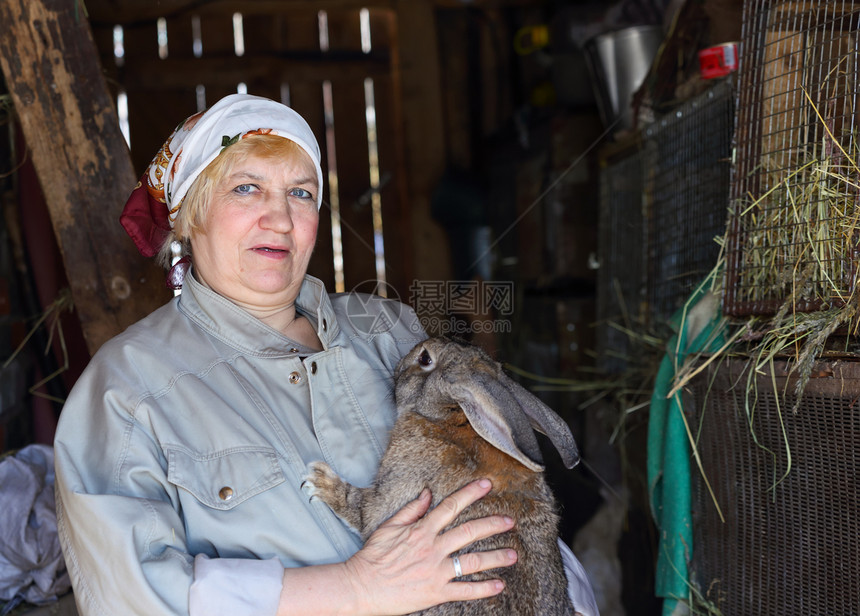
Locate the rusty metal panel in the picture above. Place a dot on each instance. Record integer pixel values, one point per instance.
(787, 484)
(687, 155)
(621, 245)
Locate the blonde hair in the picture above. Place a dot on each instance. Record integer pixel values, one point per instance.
(194, 206)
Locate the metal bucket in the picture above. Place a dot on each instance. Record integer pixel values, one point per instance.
(619, 62)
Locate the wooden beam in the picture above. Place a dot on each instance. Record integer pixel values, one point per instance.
(416, 71)
(53, 74)
(131, 11)
(228, 70)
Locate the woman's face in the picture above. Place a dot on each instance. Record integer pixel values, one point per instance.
(257, 235)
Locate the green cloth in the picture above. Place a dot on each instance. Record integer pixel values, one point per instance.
(698, 327)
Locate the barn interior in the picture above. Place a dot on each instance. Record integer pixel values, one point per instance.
(643, 208)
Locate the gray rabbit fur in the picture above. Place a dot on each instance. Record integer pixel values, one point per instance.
(460, 418)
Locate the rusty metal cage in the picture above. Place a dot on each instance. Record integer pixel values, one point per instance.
(793, 234)
(688, 161)
(621, 246)
(787, 484)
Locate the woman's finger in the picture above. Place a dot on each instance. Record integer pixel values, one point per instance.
(412, 511)
(467, 591)
(453, 505)
(475, 562)
(467, 533)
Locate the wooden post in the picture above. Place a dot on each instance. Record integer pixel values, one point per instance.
(54, 76)
(416, 67)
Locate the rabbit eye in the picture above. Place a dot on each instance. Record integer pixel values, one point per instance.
(425, 361)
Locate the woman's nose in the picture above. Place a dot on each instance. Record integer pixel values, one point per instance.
(277, 216)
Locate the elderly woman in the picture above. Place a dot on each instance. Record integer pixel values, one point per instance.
(182, 449)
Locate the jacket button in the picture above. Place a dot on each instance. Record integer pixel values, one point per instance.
(225, 493)
(294, 350)
(313, 367)
(295, 378)
(325, 325)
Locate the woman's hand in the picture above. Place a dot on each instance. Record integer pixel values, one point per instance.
(406, 566)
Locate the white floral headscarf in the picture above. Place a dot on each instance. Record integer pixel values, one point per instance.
(154, 204)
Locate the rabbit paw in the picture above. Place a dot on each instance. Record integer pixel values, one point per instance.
(344, 499)
(322, 482)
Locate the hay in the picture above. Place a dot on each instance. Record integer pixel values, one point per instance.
(800, 239)
(799, 236)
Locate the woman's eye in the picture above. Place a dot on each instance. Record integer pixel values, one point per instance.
(301, 193)
(245, 189)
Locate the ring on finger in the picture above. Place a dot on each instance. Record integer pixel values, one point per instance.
(458, 570)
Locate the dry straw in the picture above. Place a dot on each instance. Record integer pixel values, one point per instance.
(800, 238)
(800, 235)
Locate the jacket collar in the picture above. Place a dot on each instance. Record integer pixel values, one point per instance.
(235, 327)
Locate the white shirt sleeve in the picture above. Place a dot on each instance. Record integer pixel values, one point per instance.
(235, 587)
(240, 587)
(578, 586)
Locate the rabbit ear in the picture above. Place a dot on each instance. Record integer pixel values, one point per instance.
(546, 421)
(496, 416)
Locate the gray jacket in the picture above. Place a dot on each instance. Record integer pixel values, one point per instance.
(190, 434)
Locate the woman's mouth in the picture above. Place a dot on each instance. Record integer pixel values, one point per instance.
(271, 251)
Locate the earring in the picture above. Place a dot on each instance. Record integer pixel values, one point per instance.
(176, 275)
(175, 250)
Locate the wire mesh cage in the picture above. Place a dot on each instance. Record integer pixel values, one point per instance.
(621, 246)
(787, 485)
(688, 161)
(793, 234)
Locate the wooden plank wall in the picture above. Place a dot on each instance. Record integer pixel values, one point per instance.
(283, 59)
(65, 112)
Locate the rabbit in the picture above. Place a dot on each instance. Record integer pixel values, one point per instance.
(461, 418)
